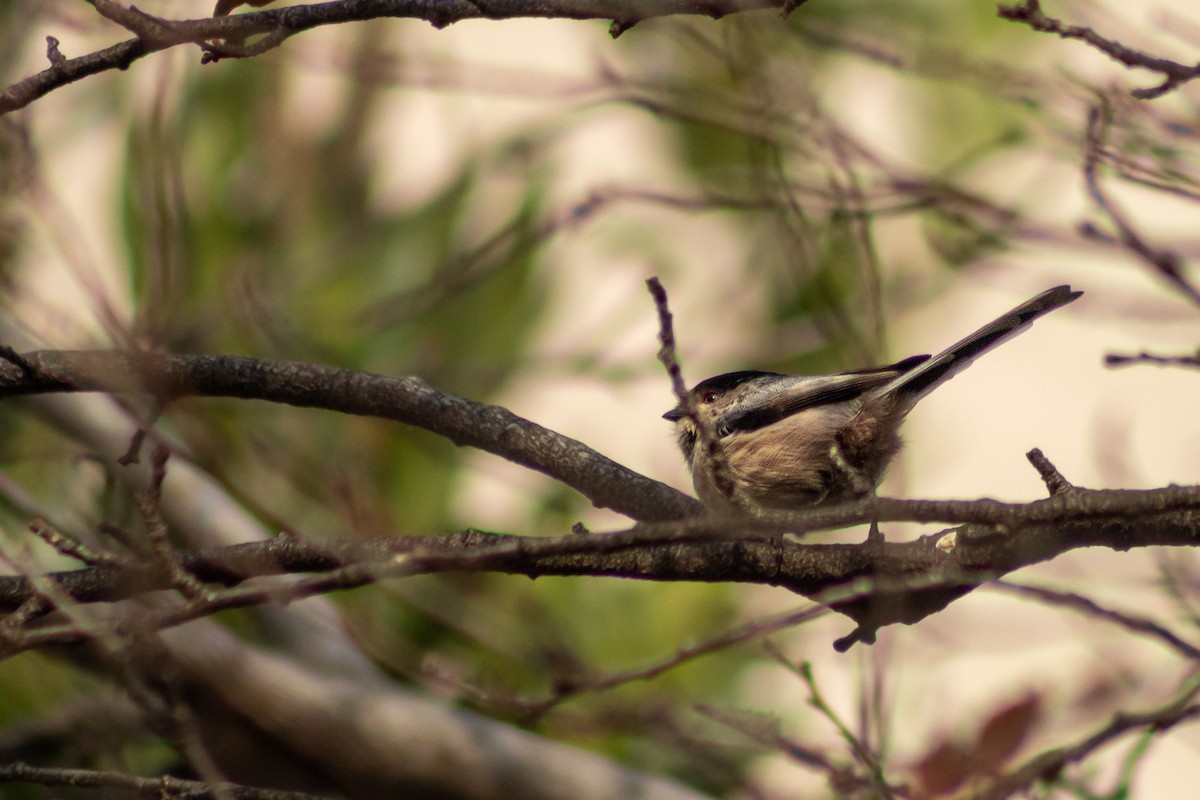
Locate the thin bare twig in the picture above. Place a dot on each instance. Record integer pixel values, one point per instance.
(155, 527)
(666, 354)
(708, 439)
(864, 754)
(71, 547)
(164, 786)
(1132, 622)
(1165, 263)
(843, 780)
(1174, 74)
(534, 709)
(1120, 360)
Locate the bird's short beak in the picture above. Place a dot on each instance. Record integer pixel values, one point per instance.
(675, 414)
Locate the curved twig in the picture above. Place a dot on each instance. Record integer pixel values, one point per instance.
(1174, 74)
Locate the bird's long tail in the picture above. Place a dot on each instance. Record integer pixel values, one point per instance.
(921, 380)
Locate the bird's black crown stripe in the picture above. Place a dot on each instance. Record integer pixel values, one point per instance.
(730, 380)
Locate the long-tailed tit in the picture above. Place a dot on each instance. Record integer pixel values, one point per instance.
(756, 440)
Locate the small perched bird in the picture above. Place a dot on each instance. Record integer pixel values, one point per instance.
(762, 440)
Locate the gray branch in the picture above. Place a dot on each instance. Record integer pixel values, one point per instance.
(875, 584)
(251, 34)
(410, 400)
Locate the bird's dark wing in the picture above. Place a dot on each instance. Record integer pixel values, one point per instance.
(794, 393)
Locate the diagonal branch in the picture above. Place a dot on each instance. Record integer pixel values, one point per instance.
(409, 400)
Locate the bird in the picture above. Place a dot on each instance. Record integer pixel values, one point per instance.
(758, 441)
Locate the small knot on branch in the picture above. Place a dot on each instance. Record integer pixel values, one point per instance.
(1055, 482)
(57, 59)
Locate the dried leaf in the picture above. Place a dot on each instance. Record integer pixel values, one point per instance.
(1004, 732)
(944, 769)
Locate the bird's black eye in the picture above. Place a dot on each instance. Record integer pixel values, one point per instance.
(709, 397)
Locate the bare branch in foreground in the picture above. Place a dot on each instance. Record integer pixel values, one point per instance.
(410, 400)
(877, 585)
(251, 34)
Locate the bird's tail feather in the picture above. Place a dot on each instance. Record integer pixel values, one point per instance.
(920, 381)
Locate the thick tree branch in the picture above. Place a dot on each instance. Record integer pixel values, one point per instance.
(408, 400)
(226, 36)
(379, 739)
(875, 584)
